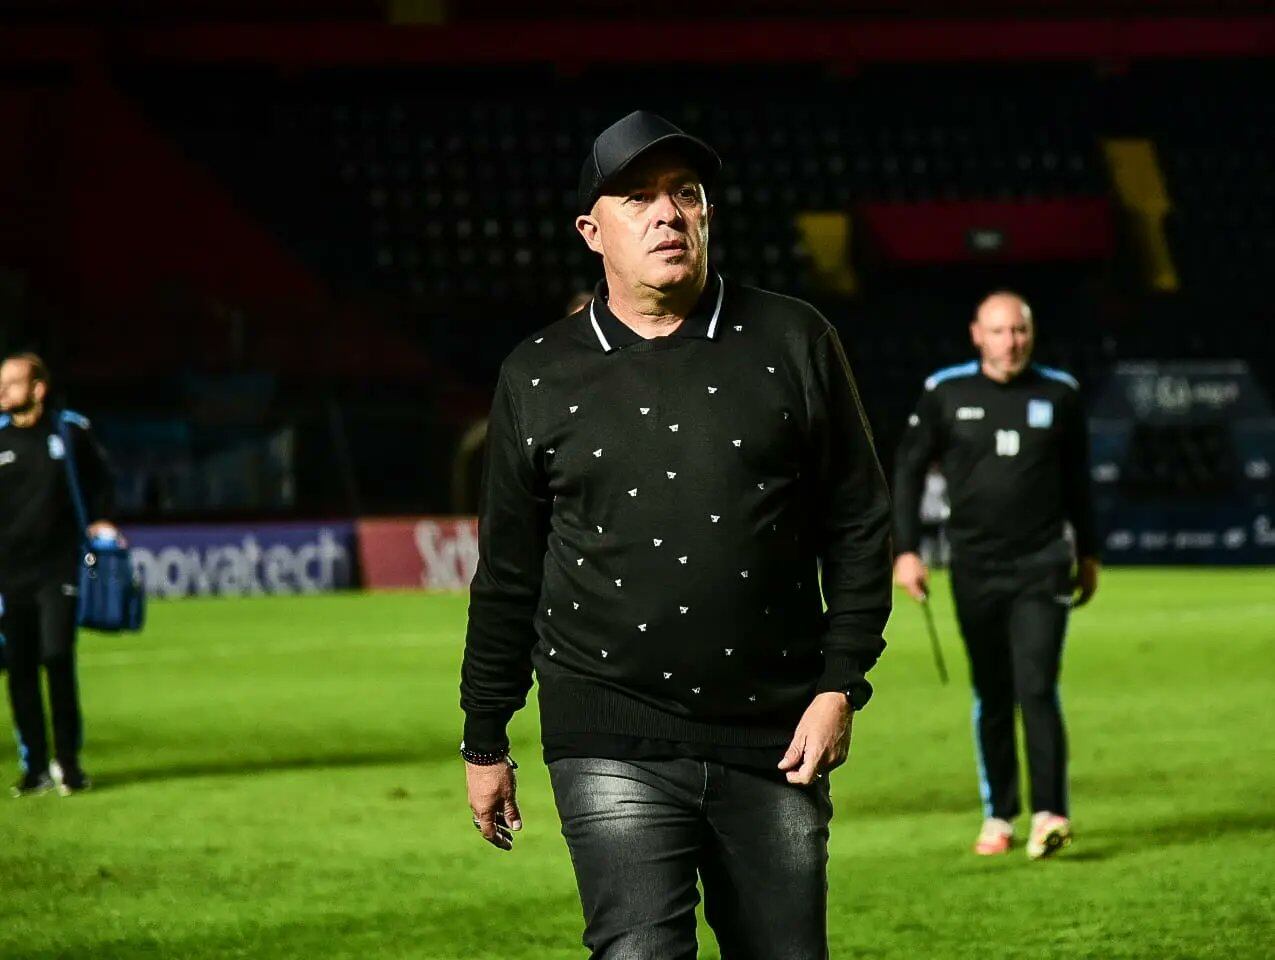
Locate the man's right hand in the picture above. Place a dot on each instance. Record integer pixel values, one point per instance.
(493, 799)
(911, 574)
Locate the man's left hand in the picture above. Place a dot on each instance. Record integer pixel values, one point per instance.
(1086, 582)
(822, 740)
(105, 530)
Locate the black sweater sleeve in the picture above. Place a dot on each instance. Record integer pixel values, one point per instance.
(1077, 493)
(512, 533)
(94, 474)
(853, 522)
(916, 452)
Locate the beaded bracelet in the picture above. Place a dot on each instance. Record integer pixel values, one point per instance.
(480, 759)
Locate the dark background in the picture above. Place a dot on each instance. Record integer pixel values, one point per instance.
(277, 250)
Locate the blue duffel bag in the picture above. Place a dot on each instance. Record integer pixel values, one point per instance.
(110, 595)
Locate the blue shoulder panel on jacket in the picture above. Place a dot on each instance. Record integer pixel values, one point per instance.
(76, 419)
(1053, 373)
(4, 420)
(951, 373)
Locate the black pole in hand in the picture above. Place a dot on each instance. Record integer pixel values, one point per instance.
(934, 640)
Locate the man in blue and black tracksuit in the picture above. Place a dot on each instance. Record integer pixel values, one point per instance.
(40, 540)
(1010, 438)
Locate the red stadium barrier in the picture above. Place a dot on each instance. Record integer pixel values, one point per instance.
(982, 231)
(431, 553)
(580, 42)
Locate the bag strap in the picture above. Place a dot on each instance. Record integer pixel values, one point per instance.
(72, 477)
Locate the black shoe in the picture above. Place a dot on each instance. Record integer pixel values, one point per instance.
(32, 784)
(72, 781)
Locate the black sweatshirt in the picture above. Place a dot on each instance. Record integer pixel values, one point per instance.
(40, 535)
(1016, 460)
(654, 516)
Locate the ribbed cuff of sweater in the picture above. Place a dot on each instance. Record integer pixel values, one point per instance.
(485, 732)
(841, 673)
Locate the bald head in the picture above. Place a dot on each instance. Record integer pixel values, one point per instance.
(1004, 334)
(1004, 302)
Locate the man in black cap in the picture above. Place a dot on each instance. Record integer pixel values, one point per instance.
(671, 471)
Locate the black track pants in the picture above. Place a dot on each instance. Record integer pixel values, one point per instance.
(1013, 619)
(39, 630)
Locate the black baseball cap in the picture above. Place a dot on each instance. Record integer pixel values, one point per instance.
(624, 141)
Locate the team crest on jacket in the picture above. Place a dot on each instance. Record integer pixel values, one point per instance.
(57, 449)
(1040, 413)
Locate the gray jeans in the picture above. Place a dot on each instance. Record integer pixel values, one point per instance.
(640, 832)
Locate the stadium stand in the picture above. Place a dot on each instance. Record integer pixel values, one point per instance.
(413, 203)
(1215, 141)
(470, 194)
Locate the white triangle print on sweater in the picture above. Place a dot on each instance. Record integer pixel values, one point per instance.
(633, 492)
(644, 410)
(673, 427)
(671, 473)
(712, 389)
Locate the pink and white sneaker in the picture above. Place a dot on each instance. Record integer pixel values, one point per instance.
(996, 837)
(1050, 833)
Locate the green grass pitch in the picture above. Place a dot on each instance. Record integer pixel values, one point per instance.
(278, 778)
